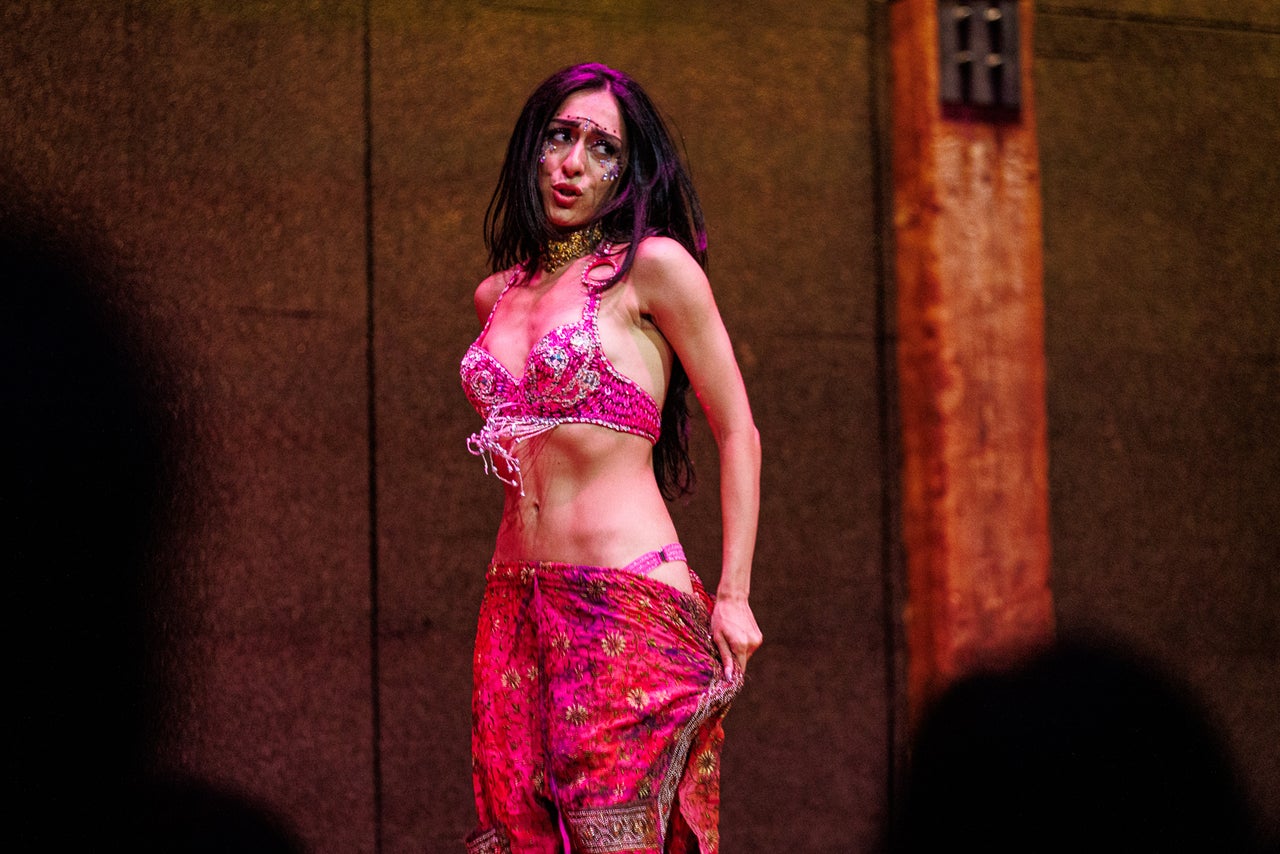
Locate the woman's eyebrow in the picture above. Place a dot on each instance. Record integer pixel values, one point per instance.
(590, 124)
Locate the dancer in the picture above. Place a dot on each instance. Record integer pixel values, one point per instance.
(602, 667)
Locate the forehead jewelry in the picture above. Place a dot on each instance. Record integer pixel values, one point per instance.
(588, 124)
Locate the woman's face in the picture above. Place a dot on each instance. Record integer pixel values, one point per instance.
(583, 153)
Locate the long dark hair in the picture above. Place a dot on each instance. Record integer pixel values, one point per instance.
(654, 196)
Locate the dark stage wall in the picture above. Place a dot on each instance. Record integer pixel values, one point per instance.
(1158, 132)
(294, 193)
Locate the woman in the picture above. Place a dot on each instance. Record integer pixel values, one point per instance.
(602, 669)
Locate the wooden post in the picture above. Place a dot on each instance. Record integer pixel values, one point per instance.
(971, 364)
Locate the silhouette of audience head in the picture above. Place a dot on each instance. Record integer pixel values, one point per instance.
(1082, 748)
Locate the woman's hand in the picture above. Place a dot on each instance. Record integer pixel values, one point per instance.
(734, 630)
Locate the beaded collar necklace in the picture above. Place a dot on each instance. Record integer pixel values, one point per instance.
(559, 252)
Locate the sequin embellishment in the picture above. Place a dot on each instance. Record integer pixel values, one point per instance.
(567, 379)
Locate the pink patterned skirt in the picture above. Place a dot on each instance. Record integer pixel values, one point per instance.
(597, 713)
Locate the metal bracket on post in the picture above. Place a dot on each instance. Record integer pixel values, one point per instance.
(980, 67)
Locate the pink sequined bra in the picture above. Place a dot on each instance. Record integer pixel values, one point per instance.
(567, 379)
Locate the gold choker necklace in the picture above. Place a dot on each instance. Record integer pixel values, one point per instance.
(557, 253)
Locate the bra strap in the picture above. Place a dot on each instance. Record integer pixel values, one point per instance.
(649, 561)
(512, 274)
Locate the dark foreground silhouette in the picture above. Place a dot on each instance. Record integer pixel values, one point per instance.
(1083, 748)
(86, 498)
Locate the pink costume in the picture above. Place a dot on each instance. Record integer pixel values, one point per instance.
(567, 379)
(599, 695)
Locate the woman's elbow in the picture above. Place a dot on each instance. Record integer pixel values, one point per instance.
(745, 438)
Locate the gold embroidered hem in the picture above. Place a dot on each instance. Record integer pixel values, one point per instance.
(488, 842)
(613, 829)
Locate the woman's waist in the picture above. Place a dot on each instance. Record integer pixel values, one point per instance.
(563, 483)
(588, 589)
(586, 534)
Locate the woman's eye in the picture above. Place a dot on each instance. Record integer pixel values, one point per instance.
(603, 148)
(558, 135)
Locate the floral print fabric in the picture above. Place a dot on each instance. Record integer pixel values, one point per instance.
(597, 713)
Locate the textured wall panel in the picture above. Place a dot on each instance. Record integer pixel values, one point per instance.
(1163, 327)
(219, 148)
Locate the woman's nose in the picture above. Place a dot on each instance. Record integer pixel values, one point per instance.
(575, 159)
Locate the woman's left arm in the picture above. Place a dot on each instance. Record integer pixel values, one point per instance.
(674, 291)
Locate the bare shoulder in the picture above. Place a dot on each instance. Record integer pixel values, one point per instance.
(488, 291)
(664, 269)
(663, 255)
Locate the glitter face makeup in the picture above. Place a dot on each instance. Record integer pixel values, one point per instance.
(582, 155)
(603, 145)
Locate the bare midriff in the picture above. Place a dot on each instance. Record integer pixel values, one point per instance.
(590, 498)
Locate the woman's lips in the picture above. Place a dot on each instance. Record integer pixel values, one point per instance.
(565, 194)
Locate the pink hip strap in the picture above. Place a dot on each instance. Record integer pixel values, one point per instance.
(649, 561)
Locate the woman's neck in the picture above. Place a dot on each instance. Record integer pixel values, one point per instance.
(570, 247)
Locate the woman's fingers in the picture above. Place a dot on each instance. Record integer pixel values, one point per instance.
(736, 635)
(726, 656)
